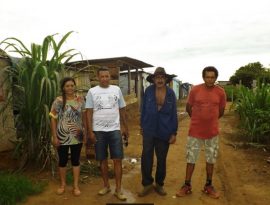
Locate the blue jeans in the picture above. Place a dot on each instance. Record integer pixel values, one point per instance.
(161, 148)
(111, 140)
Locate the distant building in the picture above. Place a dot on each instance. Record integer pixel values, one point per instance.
(223, 83)
(185, 89)
(176, 86)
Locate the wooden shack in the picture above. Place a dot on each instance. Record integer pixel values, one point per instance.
(85, 74)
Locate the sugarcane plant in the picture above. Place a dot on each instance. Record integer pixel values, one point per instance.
(33, 83)
(253, 106)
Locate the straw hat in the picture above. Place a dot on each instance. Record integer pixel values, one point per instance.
(160, 71)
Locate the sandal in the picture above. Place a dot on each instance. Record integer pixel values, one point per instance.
(60, 191)
(104, 191)
(76, 192)
(120, 196)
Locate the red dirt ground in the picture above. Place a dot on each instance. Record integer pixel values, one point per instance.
(242, 175)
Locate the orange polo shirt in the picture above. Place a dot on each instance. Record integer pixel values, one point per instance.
(206, 103)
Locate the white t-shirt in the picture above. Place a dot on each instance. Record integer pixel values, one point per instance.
(106, 103)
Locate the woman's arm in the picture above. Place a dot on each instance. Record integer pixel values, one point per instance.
(55, 140)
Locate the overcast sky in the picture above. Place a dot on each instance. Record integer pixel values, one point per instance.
(183, 36)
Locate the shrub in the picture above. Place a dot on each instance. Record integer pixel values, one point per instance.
(15, 188)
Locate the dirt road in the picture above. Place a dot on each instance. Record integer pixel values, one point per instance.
(241, 175)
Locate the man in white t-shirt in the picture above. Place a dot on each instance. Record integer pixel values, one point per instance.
(105, 106)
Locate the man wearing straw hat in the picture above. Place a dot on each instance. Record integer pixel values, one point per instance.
(159, 125)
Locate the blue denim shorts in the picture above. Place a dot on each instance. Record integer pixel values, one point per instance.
(111, 140)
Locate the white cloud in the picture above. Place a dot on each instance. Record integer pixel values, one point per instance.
(182, 36)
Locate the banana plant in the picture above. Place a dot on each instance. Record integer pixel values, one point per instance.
(34, 84)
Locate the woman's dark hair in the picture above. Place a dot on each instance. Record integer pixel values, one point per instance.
(210, 69)
(62, 85)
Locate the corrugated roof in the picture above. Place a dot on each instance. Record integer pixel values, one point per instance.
(128, 60)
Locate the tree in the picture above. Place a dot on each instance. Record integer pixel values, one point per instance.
(252, 71)
(34, 84)
(266, 76)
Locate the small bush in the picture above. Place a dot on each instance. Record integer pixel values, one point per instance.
(15, 188)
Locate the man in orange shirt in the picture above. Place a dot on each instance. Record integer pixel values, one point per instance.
(206, 104)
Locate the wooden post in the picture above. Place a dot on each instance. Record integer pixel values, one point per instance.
(129, 80)
(136, 82)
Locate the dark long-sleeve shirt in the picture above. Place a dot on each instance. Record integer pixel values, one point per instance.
(159, 123)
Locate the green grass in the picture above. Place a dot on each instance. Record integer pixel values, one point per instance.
(15, 188)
